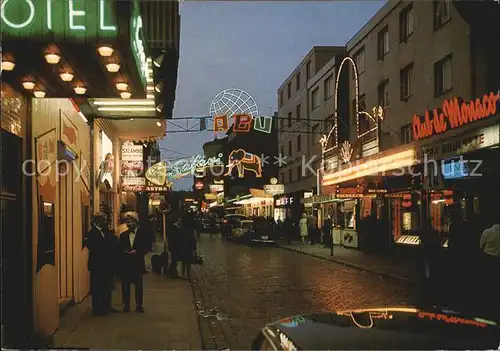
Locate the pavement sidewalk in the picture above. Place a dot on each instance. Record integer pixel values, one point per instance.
(170, 321)
(394, 268)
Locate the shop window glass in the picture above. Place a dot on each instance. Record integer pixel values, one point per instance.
(13, 112)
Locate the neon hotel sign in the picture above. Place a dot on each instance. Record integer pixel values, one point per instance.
(454, 114)
(20, 14)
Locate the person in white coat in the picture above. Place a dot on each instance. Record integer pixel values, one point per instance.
(303, 228)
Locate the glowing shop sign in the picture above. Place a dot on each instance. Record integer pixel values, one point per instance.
(292, 322)
(137, 43)
(243, 123)
(454, 114)
(182, 168)
(59, 20)
(244, 161)
(157, 174)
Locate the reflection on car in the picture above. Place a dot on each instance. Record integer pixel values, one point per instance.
(392, 328)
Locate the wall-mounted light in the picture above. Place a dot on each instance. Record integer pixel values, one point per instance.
(125, 95)
(158, 61)
(121, 86)
(8, 65)
(52, 58)
(39, 94)
(158, 124)
(159, 108)
(113, 67)
(28, 85)
(131, 119)
(105, 51)
(66, 76)
(80, 90)
(159, 87)
(150, 96)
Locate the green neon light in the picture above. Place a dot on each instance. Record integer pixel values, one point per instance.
(18, 25)
(59, 20)
(72, 14)
(137, 43)
(102, 18)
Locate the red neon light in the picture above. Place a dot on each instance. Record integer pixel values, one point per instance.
(242, 123)
(450, 319)
(221, 123)
(454, 114)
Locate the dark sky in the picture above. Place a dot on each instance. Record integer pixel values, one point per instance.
(251, 46)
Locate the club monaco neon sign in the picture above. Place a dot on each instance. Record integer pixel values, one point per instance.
(454, 114)
(30, 17)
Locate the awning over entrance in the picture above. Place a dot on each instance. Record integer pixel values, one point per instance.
(74, 49)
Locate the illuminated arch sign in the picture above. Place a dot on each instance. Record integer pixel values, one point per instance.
(59, 20)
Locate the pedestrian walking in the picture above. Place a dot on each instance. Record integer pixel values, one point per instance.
(327, 231)
(102, 246)
(304, 230)
(187, 250)
(490, 246)
(133, 244)
(174, 245)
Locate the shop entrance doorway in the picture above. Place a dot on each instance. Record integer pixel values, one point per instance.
(65, 242)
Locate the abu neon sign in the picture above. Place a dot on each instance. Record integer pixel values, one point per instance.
(454, 114)
(60, 17)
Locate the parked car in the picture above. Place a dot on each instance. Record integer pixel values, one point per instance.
(230, 223)
(401, 328)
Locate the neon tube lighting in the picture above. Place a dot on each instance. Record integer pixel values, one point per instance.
(402, 159)
(123, 109)
(123, 103)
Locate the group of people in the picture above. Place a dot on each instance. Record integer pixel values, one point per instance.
(123, 256)
(110, 256)
(182, 246)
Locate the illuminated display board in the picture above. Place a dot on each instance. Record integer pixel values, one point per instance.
(59, 20)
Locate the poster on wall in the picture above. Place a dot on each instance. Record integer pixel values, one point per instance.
(69, 133)
(46, 150)
(131, 152)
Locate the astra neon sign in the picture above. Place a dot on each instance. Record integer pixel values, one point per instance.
(30, 17)
(454, 114)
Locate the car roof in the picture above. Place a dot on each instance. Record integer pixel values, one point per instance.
(385, 328)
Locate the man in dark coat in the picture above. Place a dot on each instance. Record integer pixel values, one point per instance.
(133, 246)
(101, 244)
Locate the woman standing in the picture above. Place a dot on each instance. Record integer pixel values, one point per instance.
(303, 228)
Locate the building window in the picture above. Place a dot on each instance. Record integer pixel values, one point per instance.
(290, 175)
(297, 112)
(442, 76)
(282, 150)
(289, 119)
(299, 142)
(297, 81)
(329, 123)
(405, 81)
(364, 124)
(282, 178)
(361, 106)
(442, 13)
(281, 98)
(308, 70)
(315, 98)
(406, 133)
(359, 59)
(328, 86)
(383, 43)
(406, 23)
(299, 172)
(289, 148)
(282, 124)
(289, 90)
(315, 132)
(383, 94)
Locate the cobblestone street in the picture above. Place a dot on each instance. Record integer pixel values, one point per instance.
(239, 288)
